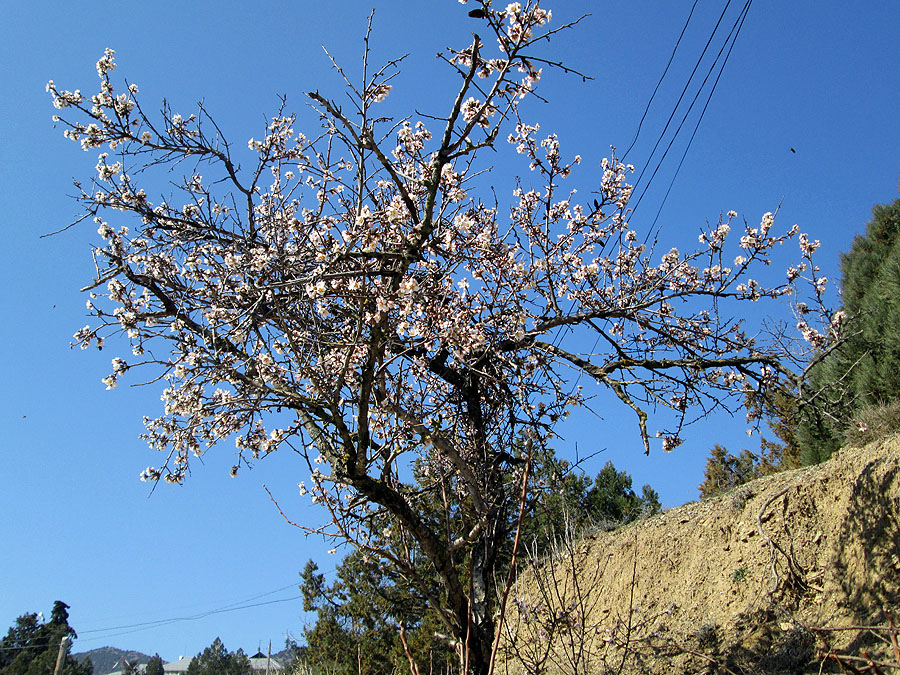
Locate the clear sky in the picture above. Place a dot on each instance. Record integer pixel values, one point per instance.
(805, 115)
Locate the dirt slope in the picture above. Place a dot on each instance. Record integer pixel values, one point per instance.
(738, 583)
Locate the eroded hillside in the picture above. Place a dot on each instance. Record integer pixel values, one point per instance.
(754, 581)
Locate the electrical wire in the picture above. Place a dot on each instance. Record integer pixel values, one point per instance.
(124, 629)
(659, 83)
(739, 24)
(662, 134)
(135, 628)
(730, 41)
(728, 38)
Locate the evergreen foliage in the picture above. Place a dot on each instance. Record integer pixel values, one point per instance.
(358, 621)
(154, 666)
(31, 646)
(783, 452)
(864, 370)
(572, 502)
(725, 471)
(611, 497)
(216, 660)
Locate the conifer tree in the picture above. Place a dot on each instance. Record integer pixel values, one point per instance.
(31, 646)
(864, 369)
(154, 666)
(216, 660)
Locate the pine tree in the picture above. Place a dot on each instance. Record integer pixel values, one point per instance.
(359, 617)
(864, 370)
(725, 471)
(650, 503)
(611, 497)
(31, 647)
(154, 666)
(216, 660)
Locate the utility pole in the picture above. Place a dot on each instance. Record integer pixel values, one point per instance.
(268, 657)
(61, 656)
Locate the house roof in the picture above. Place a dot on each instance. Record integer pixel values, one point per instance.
(179, 666)
(141, 668)
(259, 663)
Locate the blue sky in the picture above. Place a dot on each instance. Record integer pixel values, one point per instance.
(820, 77)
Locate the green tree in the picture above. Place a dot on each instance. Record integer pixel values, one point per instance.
(725, 471)
(31, 647)
(342, 638)
(650, 504)
(572, 501)
(612, 498)
(780, 449)
(154, 666)
(216, 660)
(360, 616)
(871, 290)
(864, 369)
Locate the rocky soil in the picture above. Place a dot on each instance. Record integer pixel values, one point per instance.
(787, 574)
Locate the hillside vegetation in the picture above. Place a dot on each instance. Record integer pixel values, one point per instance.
(109, 659)
(763, 579)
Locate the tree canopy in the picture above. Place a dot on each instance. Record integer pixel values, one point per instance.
(863, 370)
(154, 666)
(216, 660)
(31, 646)
(354, 294)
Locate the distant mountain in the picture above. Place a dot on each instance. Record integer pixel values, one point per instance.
(109, 659)
(285, 657)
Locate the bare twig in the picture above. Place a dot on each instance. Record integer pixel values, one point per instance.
(795, 571)
(523, 500)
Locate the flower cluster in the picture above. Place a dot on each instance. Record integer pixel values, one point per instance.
(522, 21)
(378, 93)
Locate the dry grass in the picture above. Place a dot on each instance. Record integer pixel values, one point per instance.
(873, 423)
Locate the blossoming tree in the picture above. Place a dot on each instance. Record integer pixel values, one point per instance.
(350, 296)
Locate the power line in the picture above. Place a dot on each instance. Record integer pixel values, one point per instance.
(677, 105)
(137, 627)
(233, 604)
(739, 24)
(729, 42)
(240, 604)
(661, 78)
(126, 629)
